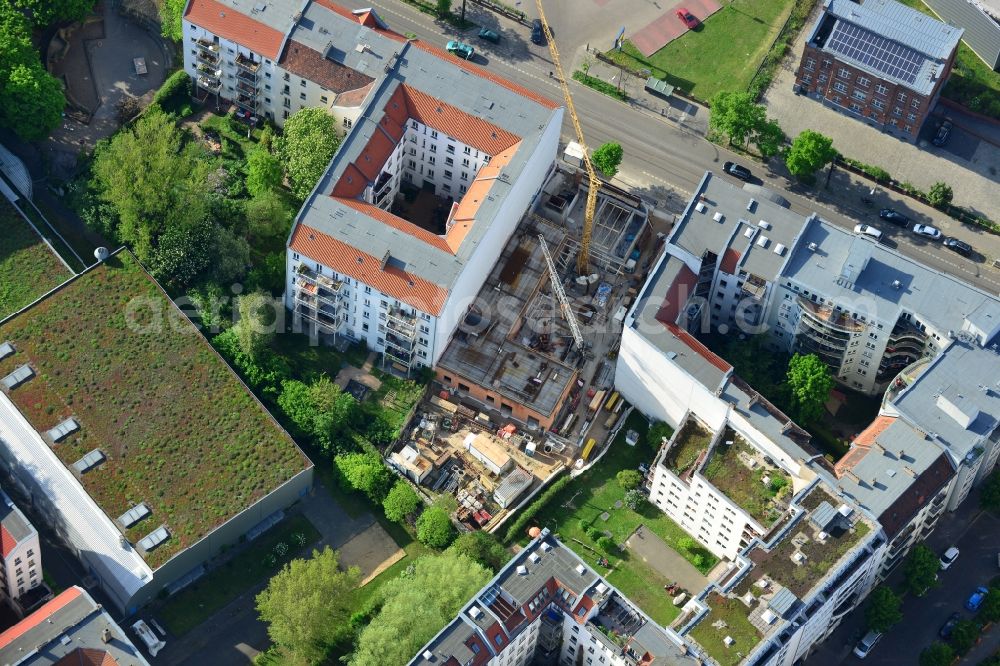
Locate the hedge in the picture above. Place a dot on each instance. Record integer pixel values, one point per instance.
(599, 85)
(517, 527)
(760, 82)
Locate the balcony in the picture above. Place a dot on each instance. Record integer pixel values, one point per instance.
(399, 357)
(208, 45)
(244, 75)
(246, 88)
(829, 317)
(398, 343)
(210, 83)
(401, 323)
(323, 323)
(247, 64)
(246, 102)
(208, 70)
(209, 58)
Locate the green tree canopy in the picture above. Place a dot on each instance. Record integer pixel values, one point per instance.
(937, 654)
(990, 610)
(883, 609)
(434, 528)
(810, 383)
(920, 570)
(263, 171)
(182, 252)
(964, 635)
(481, 547)
(171, 12)
(736, 115)
(443, 7)
(607, 158)
(417, 606)
(940, 194)
(629, 479)
(365, 472)
(44, 12)
(31, 101)
(255, 327)
(307, 604)
(768, 138)
(401, 502)
(990, 495)
(268, 217)
(809, 152)
(310, 139)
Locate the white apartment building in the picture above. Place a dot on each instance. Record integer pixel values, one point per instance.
(21, 550)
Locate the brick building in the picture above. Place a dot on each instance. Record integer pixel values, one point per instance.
(878, 61)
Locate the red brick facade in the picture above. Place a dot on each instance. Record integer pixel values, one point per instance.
(501, 403)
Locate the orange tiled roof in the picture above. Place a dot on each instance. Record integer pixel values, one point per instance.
(230, 24)
(39, 616)
(310, 64)
(463, 215)
(730, 260)
(676, 296)
(7, 541)
(87, 657)
(347, 260)
(398, 223)
(443, 117)
(874, 429)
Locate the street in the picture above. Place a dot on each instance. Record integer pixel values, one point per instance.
(665, 159)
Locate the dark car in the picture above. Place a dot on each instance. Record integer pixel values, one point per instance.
(956, 245)
(949, 625)
(943, 132)
(489, 35)
(734, 169)
(537, 34)
(897, 218)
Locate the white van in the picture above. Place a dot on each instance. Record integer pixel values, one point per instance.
(866, 644)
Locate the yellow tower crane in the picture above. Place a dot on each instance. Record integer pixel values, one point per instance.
(583, 260)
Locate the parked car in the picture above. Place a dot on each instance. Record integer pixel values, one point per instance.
(976, 599)
(956, 245)
(927, 231)
(897, 218)
(687, 18)
(949, 557)
(866, 230)
(489, 35)
(734, 169)
(943, 131)
(946, 628)
(460, 49)
(537, 34)
(865, 645)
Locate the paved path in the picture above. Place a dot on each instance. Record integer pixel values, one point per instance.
(665, 560)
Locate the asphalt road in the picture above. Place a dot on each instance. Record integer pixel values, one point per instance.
(664, 161)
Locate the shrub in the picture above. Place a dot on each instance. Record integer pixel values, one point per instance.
(583, 525)
(607, 544)
(599, 85)
(594, 534)
(629, 479)
(175, 93)
(434, 528)
(517, 527)
(634, 499)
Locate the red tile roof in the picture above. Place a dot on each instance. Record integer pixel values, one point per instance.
(7, 541)
(87, 657)
(39, 616)
(346, 260)
(311, 64)
(876, 428)
(676, 296)
(730, 260)
(230, 24)
(443, 117)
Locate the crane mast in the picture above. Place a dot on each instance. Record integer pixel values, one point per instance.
(557, 288)
(583, 259)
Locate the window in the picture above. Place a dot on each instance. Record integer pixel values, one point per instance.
(810, 64)
(907, 129)
(450, 149)
(447, 174)
(807, 79)
(432, 160)
(901, 97)
(840, 87)
(288, 105)
(434, 134)
(411, 164)
(844, 73)
(881, 89)
(368, 289)
(863, 81)
(822, 78)
(498, 639)
(267, 86)
(285, 113)
(448, 161)
(302, 96)
(465, 176)
(911, 117)
(897, 111)
(302, 83)
(285, 77)
(915, 104)
(17, 560)
(465, 162)
(434, 148)
(324, 99)
(878, 104)
(430, 173)
(859, 95)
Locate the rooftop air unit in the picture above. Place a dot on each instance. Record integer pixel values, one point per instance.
(534, 557)
(522, 570)
(779, 249)
(764, 224)
(812, 247)
(580, 569)
(753, 202)
(718, 217)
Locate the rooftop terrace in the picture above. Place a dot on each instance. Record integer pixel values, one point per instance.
(176, 428)
(745, 477)
(686, 450)
(727, 618)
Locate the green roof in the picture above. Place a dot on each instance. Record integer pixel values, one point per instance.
(689, 443)
(180, 432)
(28, 268)
(729, 469)
(726, 617)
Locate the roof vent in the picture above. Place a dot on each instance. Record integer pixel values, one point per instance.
(89, 461)
(522, 570)
(134, 515)
(768, 616)
(764, 224)
(154, 538)
(779, 249)
(580, 569)
(474, 612)
(750, 206)
(728, 640)
(6, 349)
(63, 430)
(812, 247)
(896, 284)
(18, 377)
(749, 232)
(718, 217)
(534, 557)
(700, 207)
(428, 655)
(763, 241)
(546, 546)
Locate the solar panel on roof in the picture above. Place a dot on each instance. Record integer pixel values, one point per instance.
(63, 429)
(6, 349)
(154, 538)
(89, 461)
(134, 515)
(872, 50)
(18, 377)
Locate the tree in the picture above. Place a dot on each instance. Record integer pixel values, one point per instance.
(31, 99)
(44, 12)
(768, 138)
(920, 570)
(810, 383)
(989, 497)
(231, 256)
(809, 152)
(306, 605)
(255, 327)
(267, 216)
(883, 609)
(659, 433)
(416, 606)
(607, 158)
(401, 501)
(629, 479)
(365, 472)
(607, 544)
(990, 610)
(263, 171)
(443, 7)
(310, 139)
(171, 12)
(937, 654)
(481, 547)
(940, 194)
(154, 180)
(736, 115)
(964, 635)
(182, 252)
(634, 499)
(434, 528)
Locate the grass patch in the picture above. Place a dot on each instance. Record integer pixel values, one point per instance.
(726, 471)
(28, 268)
(177, 429)
(307, 361)
(734, 613)
(600, 86)
(688, 445)
(197, 602)
(579, 506)
(722, 55)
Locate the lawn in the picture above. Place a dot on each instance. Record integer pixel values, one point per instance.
(735, 614)
(197, 602)
(178, 430)
(580, 505)
(722, 55)
(28, 268)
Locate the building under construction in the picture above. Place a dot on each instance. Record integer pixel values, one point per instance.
(519, 352)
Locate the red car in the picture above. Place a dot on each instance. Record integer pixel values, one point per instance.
(688, 18)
